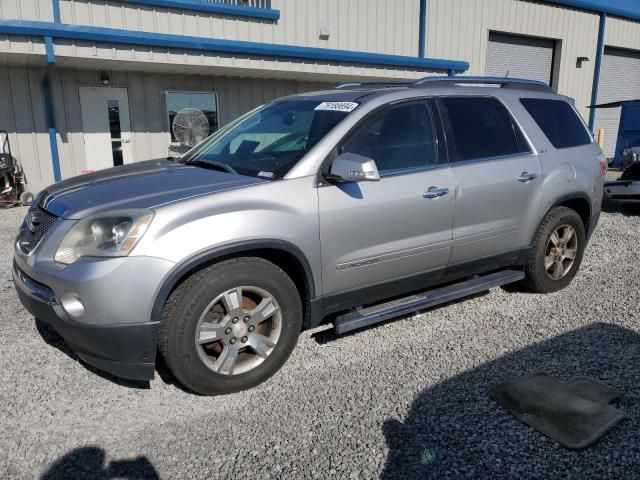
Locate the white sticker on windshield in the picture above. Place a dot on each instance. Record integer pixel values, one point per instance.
(266, 174)
(337, 106)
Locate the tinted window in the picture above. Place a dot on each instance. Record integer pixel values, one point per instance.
(400, 137)
(558, 121)
(482, 128)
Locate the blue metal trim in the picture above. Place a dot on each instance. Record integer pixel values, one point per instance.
(56, 11)
(596, 71)
(621, 8)
(51, 128)
(110, 35)
(451, 73)
(220, 8)
(48, 48)
(422, 41)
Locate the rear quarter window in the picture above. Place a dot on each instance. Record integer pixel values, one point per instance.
(559, 122)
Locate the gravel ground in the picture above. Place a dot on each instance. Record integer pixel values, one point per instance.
(408, 398)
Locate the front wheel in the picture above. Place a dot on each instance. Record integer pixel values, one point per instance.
(556, 252)
(230, 326)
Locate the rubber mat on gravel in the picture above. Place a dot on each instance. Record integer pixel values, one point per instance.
(574, 414)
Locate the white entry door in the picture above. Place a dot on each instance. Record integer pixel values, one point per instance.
(106, 126)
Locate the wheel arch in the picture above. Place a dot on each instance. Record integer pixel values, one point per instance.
(578, 201)
(283, 254)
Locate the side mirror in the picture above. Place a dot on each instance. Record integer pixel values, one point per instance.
(352, 167)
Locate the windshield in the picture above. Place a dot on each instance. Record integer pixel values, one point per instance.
(270, 141)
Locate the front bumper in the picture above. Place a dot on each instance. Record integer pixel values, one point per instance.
(125, 347)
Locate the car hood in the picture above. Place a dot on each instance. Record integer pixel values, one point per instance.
(139, 185)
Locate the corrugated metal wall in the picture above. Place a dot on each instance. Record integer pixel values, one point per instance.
(27, 9)
(24, 116)
(380, 26)
(459, 29)
(622, 33)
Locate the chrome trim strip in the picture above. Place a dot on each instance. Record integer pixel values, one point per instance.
(33, 288)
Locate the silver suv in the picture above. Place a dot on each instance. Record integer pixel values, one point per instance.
(354, 205)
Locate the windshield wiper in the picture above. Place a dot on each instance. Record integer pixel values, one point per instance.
(212, 165)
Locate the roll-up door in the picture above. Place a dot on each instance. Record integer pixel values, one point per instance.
(520, 57)
(619, 80)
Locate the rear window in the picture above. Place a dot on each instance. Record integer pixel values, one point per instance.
(558, 121)
(482, 128)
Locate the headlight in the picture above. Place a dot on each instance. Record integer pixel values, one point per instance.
(109, 235)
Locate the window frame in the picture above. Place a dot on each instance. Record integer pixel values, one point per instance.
(216, 103)
(572, 107)
(450, 137)
(438, 130)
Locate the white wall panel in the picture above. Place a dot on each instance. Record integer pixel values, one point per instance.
(622, 33)
(24, 45)
(27, 9)
(23, 116)
(181, 60)
(380, 26)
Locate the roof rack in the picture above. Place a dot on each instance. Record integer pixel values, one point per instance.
(371, 85)
(521, 83)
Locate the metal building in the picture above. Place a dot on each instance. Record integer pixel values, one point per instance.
(92, 83)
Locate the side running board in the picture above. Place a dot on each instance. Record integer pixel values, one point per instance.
(364, 317)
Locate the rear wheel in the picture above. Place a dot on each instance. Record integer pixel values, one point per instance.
(230, 326)
(557, 251)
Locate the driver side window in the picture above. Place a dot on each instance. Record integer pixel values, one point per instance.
(400, 138)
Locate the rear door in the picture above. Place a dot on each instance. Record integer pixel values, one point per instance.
(496, 175)
(382, 234)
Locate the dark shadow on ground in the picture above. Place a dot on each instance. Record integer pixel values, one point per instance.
(454, 430)
(89, 463)
(53, 338)
(627, 209)
(162, 369)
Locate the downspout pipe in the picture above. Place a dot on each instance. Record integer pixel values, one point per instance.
(48, 96)
(596, 72)
(422, 40)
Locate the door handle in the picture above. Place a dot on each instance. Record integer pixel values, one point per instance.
(526, 177)
(435, 192)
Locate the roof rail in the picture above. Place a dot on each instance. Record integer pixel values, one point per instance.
(521, 83)
(371, 85)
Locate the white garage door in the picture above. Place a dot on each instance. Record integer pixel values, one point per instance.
(619, 80)
(520, 57)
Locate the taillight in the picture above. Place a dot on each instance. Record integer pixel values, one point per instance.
(604, 165)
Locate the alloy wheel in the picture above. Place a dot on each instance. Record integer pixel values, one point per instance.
(560, 252)
(238, 330)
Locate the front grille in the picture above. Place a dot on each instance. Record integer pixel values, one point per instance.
(35, 226)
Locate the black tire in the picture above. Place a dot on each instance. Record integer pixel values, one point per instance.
(537, 278)
(187, 303)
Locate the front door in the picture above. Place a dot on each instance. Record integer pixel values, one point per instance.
(106, 126)
(390, 234)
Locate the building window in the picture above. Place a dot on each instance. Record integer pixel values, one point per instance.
(206, 102)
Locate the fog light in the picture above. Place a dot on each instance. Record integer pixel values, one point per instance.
(72, 304)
